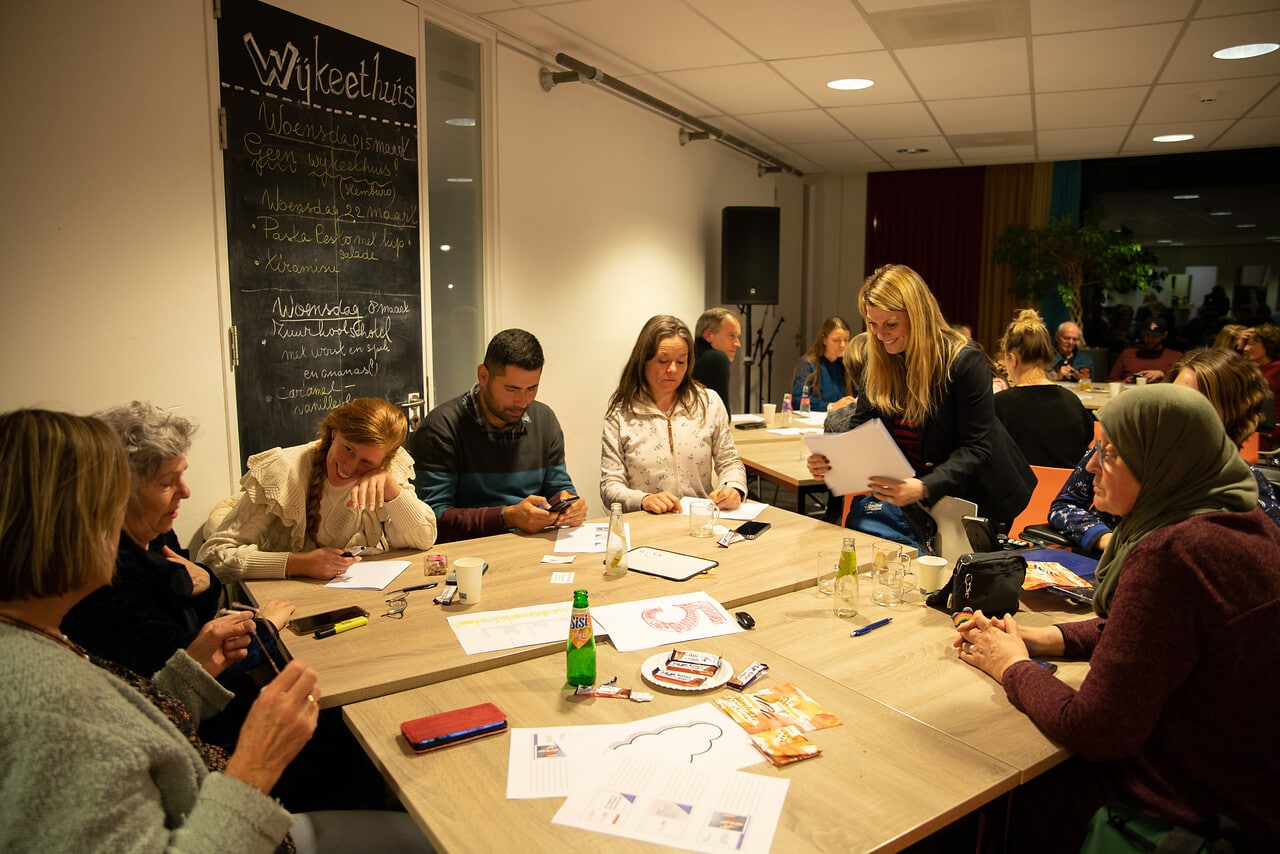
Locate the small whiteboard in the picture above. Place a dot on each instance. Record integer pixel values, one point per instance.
(665, 564)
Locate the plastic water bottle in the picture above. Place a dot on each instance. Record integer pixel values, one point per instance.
(615, 547)
(580, 652)
(804, 402)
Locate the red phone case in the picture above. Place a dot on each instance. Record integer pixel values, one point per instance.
(456, 722)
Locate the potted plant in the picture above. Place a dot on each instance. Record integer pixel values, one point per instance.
(1063, 259)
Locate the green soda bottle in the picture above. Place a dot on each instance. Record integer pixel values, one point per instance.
(846, 587)
(580, 652)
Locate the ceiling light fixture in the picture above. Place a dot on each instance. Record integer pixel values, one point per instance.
(1246, 225)
(445, 247)
(461, 123)
(913, 151)
(1219, 213)
(851, 83)
(1188, 196)
(1164, 240)
(1173, 137)
(1246, 51)
(459, 180)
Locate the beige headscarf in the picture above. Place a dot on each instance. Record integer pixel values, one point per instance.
(1173, 442)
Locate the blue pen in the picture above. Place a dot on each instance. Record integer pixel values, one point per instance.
(870, 627)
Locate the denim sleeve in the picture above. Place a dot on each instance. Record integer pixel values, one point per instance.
(1072, 512)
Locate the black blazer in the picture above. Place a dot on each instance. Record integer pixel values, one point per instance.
(967, 453)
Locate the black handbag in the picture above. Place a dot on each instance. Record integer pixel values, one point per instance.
(984, 581)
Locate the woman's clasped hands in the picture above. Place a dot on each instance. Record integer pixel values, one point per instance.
(993, 644)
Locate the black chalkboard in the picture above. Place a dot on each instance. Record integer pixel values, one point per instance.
(321, 178)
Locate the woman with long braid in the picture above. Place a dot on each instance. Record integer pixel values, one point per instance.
(301, 508)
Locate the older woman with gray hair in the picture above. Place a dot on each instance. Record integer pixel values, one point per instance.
(158, 599)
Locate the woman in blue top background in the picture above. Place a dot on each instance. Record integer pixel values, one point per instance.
(821, 368)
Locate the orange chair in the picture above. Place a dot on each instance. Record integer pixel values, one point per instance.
(1049, 483)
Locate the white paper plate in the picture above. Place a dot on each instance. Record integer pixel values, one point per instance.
(653, 662)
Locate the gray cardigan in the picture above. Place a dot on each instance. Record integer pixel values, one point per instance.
(89, 764)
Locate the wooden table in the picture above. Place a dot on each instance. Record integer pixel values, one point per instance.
(882, 782)
(1094, 399)
(910, 666)
(393, 655)
(779, 463)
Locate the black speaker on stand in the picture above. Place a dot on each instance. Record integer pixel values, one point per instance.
(749, 239)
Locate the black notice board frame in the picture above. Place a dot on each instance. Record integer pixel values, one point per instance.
(323, 223)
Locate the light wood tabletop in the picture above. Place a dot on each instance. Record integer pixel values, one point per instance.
(882, 782)
(910, 666)
(781, 463)
(392, 655)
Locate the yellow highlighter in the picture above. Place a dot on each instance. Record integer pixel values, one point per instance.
(345, 625)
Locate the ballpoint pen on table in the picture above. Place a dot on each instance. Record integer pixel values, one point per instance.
(426, 586)
(870, 627)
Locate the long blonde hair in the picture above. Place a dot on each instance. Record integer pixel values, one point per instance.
(363, 421)
(909, 384)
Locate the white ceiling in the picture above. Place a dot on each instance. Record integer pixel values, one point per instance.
(974, 82)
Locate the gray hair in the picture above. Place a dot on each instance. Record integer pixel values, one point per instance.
(710, 320)
(152, 436)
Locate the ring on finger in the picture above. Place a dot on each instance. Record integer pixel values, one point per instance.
(311, 698)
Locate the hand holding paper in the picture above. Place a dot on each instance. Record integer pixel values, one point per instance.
(864, 452)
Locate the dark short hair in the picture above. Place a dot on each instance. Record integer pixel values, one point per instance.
(513, 347)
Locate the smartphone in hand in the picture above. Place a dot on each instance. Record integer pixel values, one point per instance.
(562, 505)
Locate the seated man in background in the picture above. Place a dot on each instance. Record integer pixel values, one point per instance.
(492, 459)
(717, 337)
(1070, 363)
(1152, 359)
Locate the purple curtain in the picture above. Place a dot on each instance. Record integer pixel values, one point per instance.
(930, 220)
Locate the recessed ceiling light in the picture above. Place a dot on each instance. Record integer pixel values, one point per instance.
(1164, 240)
(913, 151)
(848, 83)
(1219, 213)
(450, 286)
(459, 180)
(445, 247)
(1188, 196)
(1173, 137)
(1246, 225)
(461, 123)
(1246, 51)
(1273, 237)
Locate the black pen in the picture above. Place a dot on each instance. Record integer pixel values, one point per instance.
(870, 627)
(426, 586)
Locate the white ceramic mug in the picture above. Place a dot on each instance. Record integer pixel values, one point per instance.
(931, 572)
(470, 574)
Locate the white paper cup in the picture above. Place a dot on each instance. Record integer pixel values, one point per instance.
(769, 410)
(932, 572)
(1114, 388)
(1140, 379)
(470, 573)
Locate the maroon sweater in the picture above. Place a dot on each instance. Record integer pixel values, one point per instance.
(1183, 690)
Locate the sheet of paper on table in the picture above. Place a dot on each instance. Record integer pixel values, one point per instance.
(543, 762)
(490, 631)
(864, 452)
(696, 809)
(592, 537)
(746, 511)
(370, 574)
(663, 621)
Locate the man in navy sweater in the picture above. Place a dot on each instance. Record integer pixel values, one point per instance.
(492, 459)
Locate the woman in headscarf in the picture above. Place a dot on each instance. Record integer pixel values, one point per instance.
(1189, 595)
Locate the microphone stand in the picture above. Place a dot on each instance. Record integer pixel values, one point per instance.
(765, 366)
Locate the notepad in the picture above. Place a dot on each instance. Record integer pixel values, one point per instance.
(665, 564)
(864, 452)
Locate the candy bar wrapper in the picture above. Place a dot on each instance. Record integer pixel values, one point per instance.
(684, 680)
(704, 664)
(785, 745)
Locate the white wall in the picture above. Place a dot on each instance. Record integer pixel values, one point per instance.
(114, 286)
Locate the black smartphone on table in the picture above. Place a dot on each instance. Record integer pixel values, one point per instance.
(315, 622)
(751, 530)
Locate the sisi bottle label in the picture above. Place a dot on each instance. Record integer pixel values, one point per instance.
(579, 628)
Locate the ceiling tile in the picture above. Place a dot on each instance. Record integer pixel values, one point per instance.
(938, 149)
(659, 35)
(1056, 16)
(983, 115)
(840, 156)
(533, 28)
(1251, 133)
(798, 126)
(764, 27)
(1180, 102)
(737, 89)
(1270, 105)
(997, 154)
(1080, 142)
(959, 70)
(1105, 59)
(884, 121)
(1193, 59)
(811, 76)
(1100, 107)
